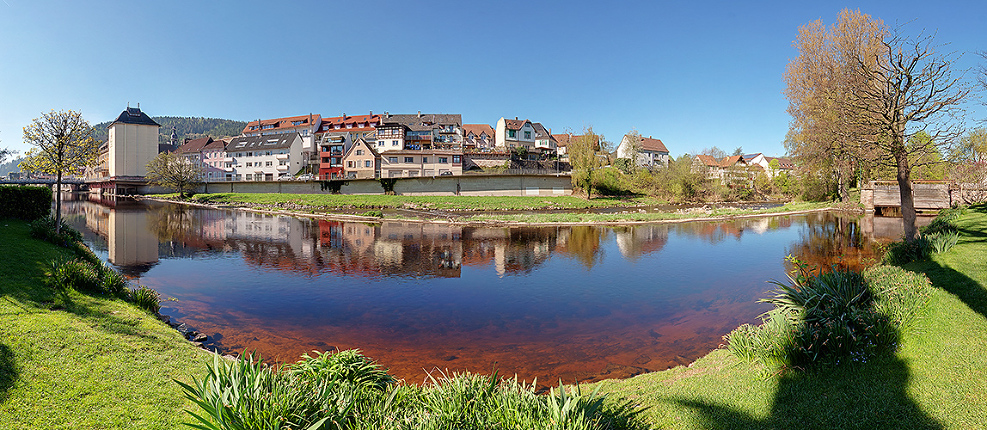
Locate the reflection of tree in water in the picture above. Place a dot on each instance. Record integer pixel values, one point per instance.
(584, 244)
(832, 240)
(635, 241)
(171, 223)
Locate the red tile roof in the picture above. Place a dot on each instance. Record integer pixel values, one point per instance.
(708, 160)
(655, 145)
(280, 123)
(368, 122)
(478, 129)
(565, 139)
(731, 160)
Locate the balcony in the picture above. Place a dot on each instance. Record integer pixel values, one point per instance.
(282, 167)
(281, 156)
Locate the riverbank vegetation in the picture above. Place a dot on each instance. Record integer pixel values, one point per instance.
(70, 359)
(933, 379)
(554, 210)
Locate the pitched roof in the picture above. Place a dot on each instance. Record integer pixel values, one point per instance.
(565, 139)
(281, 123)
(362, 141)
(708, 160)
(541, 132)
(194, 145)
(423, 122)
(654, 145)
(783, 163)
(730, 161)
(478, 129)
(253, 143)
(135, 116)
(357, 121)
(515, 124)
(748, 157)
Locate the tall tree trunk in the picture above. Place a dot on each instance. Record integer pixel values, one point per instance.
(907, 199)
(58, 204)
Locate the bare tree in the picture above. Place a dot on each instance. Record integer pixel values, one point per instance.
(910, 88)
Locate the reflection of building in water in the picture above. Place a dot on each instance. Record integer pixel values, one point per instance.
(420, 249)
(635, 241)
(131, 245)
(270, 240)
(515, 250)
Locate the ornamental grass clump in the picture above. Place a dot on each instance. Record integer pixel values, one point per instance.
(146, 299)
(832, 318)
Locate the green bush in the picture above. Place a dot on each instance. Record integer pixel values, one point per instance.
(146, 298)
(374, 213)
(25, 202)
(347, 390)
(75, 274)
(832, 318)
(44, 228)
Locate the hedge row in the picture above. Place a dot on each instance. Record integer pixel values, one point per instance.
(25, 202)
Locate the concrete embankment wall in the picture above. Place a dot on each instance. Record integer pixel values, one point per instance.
(926, 195)
(472, 185)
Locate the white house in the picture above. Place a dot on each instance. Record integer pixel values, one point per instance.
(266, 158)
(650, 151)
(513, 133)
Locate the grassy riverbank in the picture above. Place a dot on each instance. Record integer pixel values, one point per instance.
(557, 210)
(937, 379)
(77, 361)
(324, 202)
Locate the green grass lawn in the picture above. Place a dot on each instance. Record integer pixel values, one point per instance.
(77, 362)
(937, 378)
(455, 203)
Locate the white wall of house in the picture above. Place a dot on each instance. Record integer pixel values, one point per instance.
(131, 147)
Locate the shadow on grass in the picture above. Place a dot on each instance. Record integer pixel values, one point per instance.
(8, 371)
(851, 396)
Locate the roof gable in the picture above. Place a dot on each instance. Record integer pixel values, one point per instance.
(194, 145)
(255, 143)
(653, 145)
(135, 116)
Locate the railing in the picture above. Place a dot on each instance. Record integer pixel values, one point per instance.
(552, 172)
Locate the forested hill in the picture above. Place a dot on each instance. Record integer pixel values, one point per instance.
(186, 127)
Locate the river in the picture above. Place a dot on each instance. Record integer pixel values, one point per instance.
(579, 303)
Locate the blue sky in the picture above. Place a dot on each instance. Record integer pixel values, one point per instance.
(694, 74)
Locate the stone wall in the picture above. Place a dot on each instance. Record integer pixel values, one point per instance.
(470, 185)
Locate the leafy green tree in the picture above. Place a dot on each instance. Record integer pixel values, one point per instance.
(972, 147)
(174, 172)
(584, 159)
(63, 145)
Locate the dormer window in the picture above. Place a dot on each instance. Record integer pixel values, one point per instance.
(298, 122)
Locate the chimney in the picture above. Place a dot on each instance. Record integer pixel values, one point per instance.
(371, 113)
(515, 118)
(310, 118)
(344, 115)
(419, 114)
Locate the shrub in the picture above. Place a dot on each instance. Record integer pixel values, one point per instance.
(146, 298)
(900, 295)
(44, 229)
(833, 317)
(25, 202)
(374, 213)
(75, 274)
(349, 366)
(112, 282)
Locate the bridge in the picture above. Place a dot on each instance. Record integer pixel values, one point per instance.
(885, 196)
(74, 183)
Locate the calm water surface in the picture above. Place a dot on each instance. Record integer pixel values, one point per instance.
(577, 303)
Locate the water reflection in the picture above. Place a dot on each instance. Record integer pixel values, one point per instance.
(579, 303)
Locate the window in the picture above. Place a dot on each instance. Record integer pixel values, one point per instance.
(283, 162)
(250, 164)
(268, 163)
(457, 159)
(527, 135)
(394, 143)
(409, 159)
(424, 159)
(443, 159)
(366, 163)
(392, 159)
(359, 152)
(250, 154)
(511, 133)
